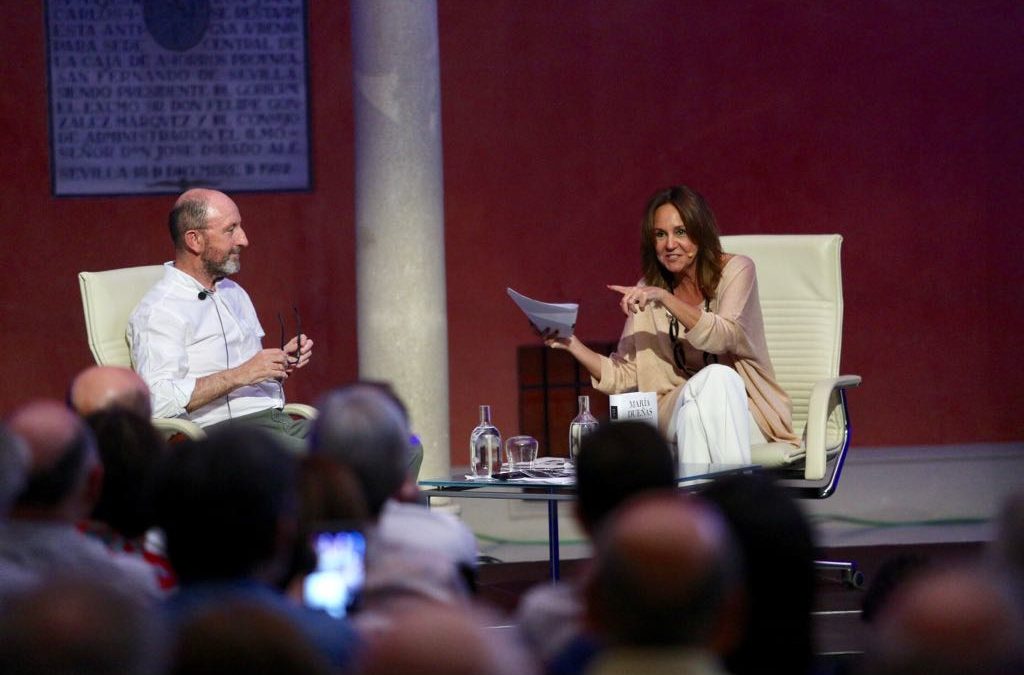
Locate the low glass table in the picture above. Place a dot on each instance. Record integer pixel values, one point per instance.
(553, 486)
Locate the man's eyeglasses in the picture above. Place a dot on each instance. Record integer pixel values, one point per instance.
(298, 334)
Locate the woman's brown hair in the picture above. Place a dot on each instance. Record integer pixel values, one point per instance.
(702, 230)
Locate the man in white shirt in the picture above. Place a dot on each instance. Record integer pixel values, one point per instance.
(195, 336)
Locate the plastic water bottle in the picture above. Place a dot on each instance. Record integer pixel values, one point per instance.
(584, 423)
(485, 446)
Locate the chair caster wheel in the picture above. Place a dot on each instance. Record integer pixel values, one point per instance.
(853, 578)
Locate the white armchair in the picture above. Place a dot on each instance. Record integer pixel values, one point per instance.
(801, 289)
(800, 285)
(108, 299)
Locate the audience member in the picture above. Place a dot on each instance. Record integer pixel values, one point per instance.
(99, 388)
(130, 448)
(1007, 550)
(948, 622)
(428, 638)
(328, 493)
(664, 593)
(777, 547)
(82, 627)
(228, 508)
(411, 550)
(65, 475)
(240, 637)
(891, 575)
(617, 462)
(14, 459)
(415, 446)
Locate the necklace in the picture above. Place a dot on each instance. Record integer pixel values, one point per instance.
(678, 354)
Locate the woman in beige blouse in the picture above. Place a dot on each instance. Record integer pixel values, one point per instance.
(695, 336)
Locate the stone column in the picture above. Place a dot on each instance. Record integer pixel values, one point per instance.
(402, 302)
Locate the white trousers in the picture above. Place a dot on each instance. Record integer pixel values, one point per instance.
(712, 422)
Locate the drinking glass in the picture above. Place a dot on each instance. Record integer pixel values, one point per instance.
(520, 452)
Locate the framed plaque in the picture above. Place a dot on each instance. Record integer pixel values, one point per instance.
(156, 96)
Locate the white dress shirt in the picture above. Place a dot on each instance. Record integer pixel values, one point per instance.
(176, 337)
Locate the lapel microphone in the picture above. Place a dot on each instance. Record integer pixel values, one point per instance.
(203, 293)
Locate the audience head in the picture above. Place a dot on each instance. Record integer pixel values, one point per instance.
(130, 448)
(892, 575)
(946, 622)
(777, 548)
(14, 463)
(426, 638)
(64, 470)
(241, 637)
(362, 428)
(99, 388)
(1008, 547)
(329, 492)
(409, 491)
(616, 462)
(80, 626)
(227, 506)
(665, 574)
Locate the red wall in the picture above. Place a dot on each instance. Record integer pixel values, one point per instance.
(301, 245)
(897, 124)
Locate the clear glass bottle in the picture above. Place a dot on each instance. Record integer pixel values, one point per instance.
(485, 446)
(583, 424)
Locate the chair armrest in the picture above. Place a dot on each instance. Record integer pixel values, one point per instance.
(169, 426)
(819, 408)
(301, 410)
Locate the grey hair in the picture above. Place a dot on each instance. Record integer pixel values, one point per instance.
(362, 428)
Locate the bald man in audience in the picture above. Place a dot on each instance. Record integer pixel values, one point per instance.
(80, 626)
(664, 594)
(948, 622)
(617, 462)
(102, 388)
(40, 540)
(431, 638)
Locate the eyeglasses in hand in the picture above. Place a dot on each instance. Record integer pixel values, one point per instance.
(298, 334)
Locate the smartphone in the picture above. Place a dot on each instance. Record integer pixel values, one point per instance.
(340, 569)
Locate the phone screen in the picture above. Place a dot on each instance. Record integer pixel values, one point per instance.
(339, 573)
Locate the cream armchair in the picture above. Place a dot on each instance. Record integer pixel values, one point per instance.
(108, 299)
(801, 289)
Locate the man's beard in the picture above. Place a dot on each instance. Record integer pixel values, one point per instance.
(225, 267)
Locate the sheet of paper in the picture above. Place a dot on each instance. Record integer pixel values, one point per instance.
(558, 317)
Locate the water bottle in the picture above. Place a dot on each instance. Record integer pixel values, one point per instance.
(485, 446)
(583, 424)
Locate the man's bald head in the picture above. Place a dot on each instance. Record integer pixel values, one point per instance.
(62, 456)
(948, 621)
(192, 209)
(431, 638)
(105, 388)
(664, 568)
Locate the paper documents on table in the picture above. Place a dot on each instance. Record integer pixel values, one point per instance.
(559, 317)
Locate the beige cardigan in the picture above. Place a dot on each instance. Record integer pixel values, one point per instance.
(733, 330)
